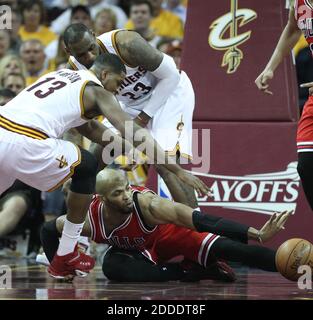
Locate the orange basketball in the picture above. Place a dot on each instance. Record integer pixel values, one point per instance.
(291, 255)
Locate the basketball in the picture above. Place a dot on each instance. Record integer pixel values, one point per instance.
(291, 255)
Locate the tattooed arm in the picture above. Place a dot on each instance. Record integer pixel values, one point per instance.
(136, 51)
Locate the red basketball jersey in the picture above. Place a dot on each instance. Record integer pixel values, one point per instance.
(304, 18)
(132, 234)
(159, 244)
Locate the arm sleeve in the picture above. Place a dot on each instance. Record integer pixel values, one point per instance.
(168, 77)
(231, 229)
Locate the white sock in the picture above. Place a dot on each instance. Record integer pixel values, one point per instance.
(197, 209)
(70, 235)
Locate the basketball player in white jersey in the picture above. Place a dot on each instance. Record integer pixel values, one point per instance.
(154, 93)
(31, 150)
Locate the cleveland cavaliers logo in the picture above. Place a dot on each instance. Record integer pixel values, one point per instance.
(231, 22)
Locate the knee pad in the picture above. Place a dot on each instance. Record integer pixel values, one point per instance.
(84, 177)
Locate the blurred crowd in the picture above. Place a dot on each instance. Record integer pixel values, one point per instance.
(33, 47)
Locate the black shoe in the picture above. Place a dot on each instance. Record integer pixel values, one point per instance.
(218, 271)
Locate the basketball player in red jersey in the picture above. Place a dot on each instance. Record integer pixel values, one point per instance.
(145, 231)
(300, 20)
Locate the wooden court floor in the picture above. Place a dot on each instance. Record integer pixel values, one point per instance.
(31, 282)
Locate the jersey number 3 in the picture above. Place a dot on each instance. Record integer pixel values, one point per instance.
(56, 85)
(139, 87)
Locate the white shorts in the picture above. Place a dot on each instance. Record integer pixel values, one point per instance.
(171, 126)
(42, 164)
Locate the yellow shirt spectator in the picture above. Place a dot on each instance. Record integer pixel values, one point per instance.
(166, 24)
(33, 56)
(31, 79)
(43, 33)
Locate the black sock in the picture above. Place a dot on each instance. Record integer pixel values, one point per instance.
(250, 255)
(49, 237)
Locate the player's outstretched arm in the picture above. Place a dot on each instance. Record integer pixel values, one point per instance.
(287, 41)
(162, 211)
(136, 51)
(96, 98)
(100, 134)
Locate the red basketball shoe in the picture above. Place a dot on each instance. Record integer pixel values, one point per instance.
(73, 264)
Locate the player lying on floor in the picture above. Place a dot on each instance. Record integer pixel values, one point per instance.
(146, 231)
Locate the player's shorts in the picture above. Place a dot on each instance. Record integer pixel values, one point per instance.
(171, 126)
(178, 242)
(305, 128)
(42, 164)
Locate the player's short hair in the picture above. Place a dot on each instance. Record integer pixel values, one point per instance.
(74, 33)
(111, 61)
(140, 2)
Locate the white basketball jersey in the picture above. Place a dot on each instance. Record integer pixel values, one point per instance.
(138, 84)
(51, 106)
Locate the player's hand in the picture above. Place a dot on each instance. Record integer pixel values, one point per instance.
(308, 85)
(274, 225)
(201, 188)
(262, 81)
(142, 119)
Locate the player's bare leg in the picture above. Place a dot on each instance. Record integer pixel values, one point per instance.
(96, 150)
(68, 260)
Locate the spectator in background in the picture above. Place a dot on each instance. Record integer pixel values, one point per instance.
(164, 22)
(60, 23)
(81, 14)
(15, 82)
(54, 51)
(4, 42)
(6, 95)
(140, 13)
(12, 3)
(53, 204)
(105, 21)
(11, 64)
(14, 32)
(176, 7)
(21, 209)
(33, 55)
(32, 28)
(174, 49)
(60, 59)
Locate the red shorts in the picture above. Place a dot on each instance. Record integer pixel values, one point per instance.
(305, 128)
(175, 241)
